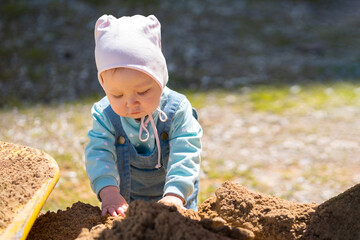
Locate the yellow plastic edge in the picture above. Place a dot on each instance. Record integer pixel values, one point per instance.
(23, 222)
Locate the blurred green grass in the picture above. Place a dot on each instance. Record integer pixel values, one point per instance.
(282, 98)
(61, 129)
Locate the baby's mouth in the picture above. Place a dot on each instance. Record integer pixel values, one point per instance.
(134, 112)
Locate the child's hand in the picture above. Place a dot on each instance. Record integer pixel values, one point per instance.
(112, 202)
(173, 199)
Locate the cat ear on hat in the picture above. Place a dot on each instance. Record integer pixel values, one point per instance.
(154, 19)
(102, 25)
(157, 27)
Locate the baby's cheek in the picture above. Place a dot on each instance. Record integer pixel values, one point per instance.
(154, 102)
(118, 109)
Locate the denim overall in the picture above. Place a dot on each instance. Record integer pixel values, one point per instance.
(139, 179)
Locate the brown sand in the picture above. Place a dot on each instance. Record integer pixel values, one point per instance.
(66, 224)
(22, 172)
(267, 217)
(145, 220)
(154, 221)
(235, 213)
(337, 218)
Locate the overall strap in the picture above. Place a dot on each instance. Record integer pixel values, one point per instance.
(170, 107)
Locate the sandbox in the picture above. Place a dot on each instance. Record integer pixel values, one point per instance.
(27, 176)
(234, 213)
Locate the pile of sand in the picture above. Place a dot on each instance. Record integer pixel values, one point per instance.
(337, 218)
(144, 220)
(235, 213)
(265, 216)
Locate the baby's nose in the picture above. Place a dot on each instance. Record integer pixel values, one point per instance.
(132, 102)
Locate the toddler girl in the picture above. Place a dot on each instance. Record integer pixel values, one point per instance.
(145, 141)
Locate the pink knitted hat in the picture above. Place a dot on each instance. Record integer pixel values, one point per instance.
(130, 42)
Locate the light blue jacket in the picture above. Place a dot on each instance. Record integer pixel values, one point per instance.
(182, 166)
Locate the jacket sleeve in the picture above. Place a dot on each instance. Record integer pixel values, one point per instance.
(100, 161)
(185, 148)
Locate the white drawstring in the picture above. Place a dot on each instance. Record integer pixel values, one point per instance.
(143, 126)
(164, 114)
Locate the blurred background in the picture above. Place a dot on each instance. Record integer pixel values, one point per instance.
(276, 83)
(47, 45)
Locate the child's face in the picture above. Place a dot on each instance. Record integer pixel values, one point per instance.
(131, 93)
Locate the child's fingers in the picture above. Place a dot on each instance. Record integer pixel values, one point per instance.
(104, 212)
(110, 210)
(121, 210)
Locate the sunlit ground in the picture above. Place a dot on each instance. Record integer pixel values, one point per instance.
(297, 142)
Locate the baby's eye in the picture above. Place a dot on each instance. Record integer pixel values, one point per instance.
(143, 92)
(118, 96)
